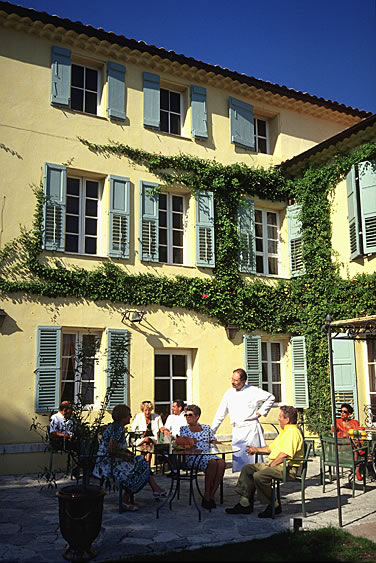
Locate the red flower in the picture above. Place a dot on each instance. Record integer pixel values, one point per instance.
(205, 296)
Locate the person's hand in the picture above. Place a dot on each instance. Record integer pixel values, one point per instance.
(251, 450)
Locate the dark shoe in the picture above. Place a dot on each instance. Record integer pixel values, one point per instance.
(268, 511)
(206, 504)
(239, 509)
(171, 474)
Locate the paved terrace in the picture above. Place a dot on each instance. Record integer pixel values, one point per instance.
(29, 525)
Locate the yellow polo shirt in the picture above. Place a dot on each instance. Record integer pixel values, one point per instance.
(289, 441)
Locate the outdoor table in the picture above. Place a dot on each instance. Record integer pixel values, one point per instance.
(176, 460)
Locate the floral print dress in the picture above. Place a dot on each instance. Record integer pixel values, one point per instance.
(203, 439)
(132, 474)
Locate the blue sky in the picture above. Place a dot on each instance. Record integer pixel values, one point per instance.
(326, 48)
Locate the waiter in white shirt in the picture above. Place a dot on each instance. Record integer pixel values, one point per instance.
(242, 402)
(175, 420)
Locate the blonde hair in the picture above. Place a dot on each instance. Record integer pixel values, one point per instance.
(146, 404)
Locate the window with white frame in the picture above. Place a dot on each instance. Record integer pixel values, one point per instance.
(85, 89)
(171, 111)
(172, 210)
(82, 215)
(267, 241)
(371, 352)
(261, 135)
(171, 377)
(78, 376)
(271, 354)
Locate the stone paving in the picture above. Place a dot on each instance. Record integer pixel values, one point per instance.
(29, 523)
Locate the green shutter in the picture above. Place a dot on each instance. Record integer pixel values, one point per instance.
(149, 235)
(299, 372)
(116, 91)
(367, 187)
(117, 366)
(119, 217)
(199, 112)
(241, 124)
(48, 367)
(253, 359)
(60, 76)
(246, 225)
(54, 188)
(205, 229)
(294, 233)
(352, 206)
(345, 373)
(152, 111)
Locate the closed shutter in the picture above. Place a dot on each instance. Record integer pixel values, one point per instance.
(246, 225)
(205, 229)
(60, 76)
(119, 217)
(54, 188)
(152, 106)
(345, 374)
(253, 359)
(117, 367)
(352, 207)
(299, 373)
(116, 91)
(48, 368)
(294, 233)
(199, 112)
(241, 124)
(367, 187)
(149, 235)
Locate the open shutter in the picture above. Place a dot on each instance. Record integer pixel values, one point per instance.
(352, 217)
(299, 372)
(117, 366)
(119, 217)
(294, 233)
(60, 76)
(48, 368)
(152, 105)
(54, 188)
(116, 91)
(241, 124)
(367, 187)
(149, 235)
(246, 224)
(199, 112)
(205, 229)
(345, 373)
(253, 360)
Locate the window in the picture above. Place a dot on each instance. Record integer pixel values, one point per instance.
(77, 377)
(371, 349)
(171, 228)
(170, 111)
(81, 220)
(84, 89)
(267, 241)
(171, 371)
(271, 369)
(261, 136)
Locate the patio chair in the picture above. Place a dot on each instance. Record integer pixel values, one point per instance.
(349, 457)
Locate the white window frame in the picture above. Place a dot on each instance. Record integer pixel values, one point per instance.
(269, 364)
(169, 89)
(99, 87)
(188, 379)
(265, 252)
(257, 136)
(169, 196)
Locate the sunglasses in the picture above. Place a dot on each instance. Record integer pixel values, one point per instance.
(343, 410)
(188, 414)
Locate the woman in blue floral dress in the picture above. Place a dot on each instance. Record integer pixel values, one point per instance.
(114, 459)
(213, 466)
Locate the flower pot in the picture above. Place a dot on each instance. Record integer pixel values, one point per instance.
(80, 517)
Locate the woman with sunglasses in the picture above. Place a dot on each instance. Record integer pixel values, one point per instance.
(346, 423)
(213, 466)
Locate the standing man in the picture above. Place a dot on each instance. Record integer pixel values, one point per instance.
(175, 420)
(241, 402)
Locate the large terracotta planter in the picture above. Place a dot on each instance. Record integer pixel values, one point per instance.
(80, 517)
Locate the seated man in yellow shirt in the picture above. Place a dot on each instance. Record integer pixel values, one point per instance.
(258, 476)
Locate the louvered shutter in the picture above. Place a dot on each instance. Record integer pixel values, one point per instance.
(117, 366)
(299, 373)
(116, 91)
(54, 187)
(48, 368)
(367, 187)
(246, 225)
(119, 217)
(205, 229)
(149, 235)
(345, 373)
(253, 359)
(352, 206)
(152, 106)
(241, 124)
(60, 76)
(294, 233)
(199, 112)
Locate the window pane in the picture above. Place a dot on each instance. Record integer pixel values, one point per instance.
(90, 245)
(87, 393)
(259, 264)
(164, 121)
(179, 365)
(372, 379)
(177, 238)
(259, 245)
(162, 254)
(162, 365)
(91, 79)
(276, 351)
(264, 353)
(271, 218)
(272, 246)
(73, 205)
(71, 243)
(175, 102)
(276, 372)
(177, 255)
(273, 265)
(177, 220)
(261, 127)
(88, 371)
(91, 103)
(71, 224)
(371, 345)
(162, 201)
(91, 226)
(258, 229)
(179, 389)
(73, 186)
(264, 368)
(162, 219)
(177, 203)
(276, 390)
(162, 390)
(67, 392)
(77, 99)
(164, 99)
(261, 145)
(91, 189)
(258, 216)
(77, 76)
(163, 237)
(174, 124)
(91, 207)
(272, 232)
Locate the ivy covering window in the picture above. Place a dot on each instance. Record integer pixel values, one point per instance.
(81, 221)
(261, 135)
(267, 241)
(171, 228)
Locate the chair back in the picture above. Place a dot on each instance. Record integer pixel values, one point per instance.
(345, 451)
(302, 469)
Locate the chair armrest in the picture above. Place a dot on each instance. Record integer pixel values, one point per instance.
(296, 459)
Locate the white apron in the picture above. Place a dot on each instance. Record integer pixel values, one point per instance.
(246, 434)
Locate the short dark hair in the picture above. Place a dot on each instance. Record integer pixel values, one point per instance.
(179, 403)
(242, 374)
(291, 413)
(194, 408)
(348, 407)
(120, 411)
(64, 405)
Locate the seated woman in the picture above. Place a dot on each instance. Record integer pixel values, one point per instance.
(344, 424)
(213, 466)
(149, 424)
(115, 460)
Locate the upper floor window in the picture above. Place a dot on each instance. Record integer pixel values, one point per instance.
(261, 135)
(84, 89)
(267, 241)
(82, 215)
(171, 228)
(271, 368)
(170, 111)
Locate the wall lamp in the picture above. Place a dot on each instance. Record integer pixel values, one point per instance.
(231, 331)
(133, 316)
(2, 317)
